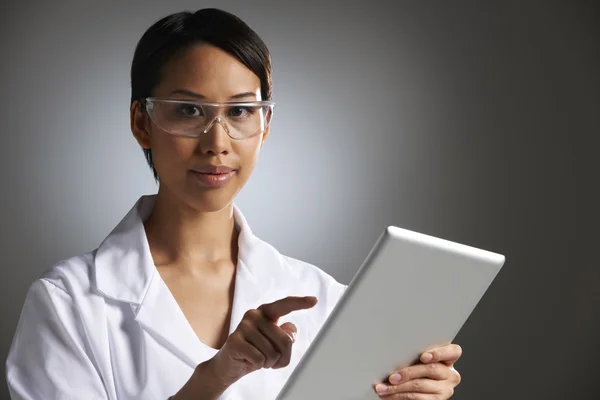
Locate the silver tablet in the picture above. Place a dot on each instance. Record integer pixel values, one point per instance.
(413, 292)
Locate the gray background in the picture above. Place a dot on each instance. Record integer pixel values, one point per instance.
(474, 121)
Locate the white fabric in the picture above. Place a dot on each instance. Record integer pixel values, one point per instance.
(104, 325)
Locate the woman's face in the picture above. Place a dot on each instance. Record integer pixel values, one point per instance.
(207, 73)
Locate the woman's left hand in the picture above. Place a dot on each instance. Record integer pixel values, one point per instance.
(433, 379)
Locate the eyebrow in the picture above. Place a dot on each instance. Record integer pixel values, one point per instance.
(202, 97)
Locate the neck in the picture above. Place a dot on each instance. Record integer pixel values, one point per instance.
(181, 236)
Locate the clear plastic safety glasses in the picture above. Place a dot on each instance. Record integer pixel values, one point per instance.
(192, 118)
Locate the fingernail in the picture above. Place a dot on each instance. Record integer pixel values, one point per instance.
(427, 357)
(395, 378)
(381, 388)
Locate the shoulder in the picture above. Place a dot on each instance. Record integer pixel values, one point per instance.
(64, 293)
(285, 267)
(274, 268)
(58, 289)
(329, 290)
(288, 276)
(282, 275)
(307, 272)
(73, 275)
(53, 331)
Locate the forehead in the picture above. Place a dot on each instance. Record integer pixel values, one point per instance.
(209, 71)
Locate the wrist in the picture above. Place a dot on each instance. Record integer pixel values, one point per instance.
(202, 385)
(210, 379)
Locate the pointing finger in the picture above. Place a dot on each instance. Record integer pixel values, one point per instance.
(274, 311)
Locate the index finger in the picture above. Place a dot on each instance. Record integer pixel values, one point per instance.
(277, 309)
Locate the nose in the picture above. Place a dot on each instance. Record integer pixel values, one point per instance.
(215, 137)
(217, 120)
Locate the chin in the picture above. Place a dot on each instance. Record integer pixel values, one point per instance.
(203, 199)
(211, 206)
(210, 200)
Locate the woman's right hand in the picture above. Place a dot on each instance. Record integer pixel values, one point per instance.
(258, 342)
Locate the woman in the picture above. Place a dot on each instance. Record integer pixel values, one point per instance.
(181, 300)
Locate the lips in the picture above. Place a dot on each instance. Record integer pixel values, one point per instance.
(213, 169)
(213, 176)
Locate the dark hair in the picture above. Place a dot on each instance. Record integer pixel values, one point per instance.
(175, 33)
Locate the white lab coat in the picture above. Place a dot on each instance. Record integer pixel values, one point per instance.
(105, 326)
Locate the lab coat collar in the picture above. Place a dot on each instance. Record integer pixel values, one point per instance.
(124, 268)
(125, 271)
(123, 263)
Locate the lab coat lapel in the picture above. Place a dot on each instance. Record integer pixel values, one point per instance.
(125, 271)
(163, 319)
(251, 284)
(246, 295)
(246, 292)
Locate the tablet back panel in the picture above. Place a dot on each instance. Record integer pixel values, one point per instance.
(413, 292)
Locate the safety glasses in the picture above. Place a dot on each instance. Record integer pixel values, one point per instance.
(240, 120)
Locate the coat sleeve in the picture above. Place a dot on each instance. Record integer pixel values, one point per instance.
(50, 358)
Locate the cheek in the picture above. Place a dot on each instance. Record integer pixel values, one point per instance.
(248, 151)
(169, 151)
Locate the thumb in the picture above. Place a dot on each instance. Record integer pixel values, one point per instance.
(290, 329)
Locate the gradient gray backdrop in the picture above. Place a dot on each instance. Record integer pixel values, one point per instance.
(474, 121)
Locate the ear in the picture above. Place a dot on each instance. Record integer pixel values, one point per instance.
(139, 124)
(264, 136)
(266, 133)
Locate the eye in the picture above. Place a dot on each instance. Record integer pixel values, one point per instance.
(240, 112)
(189, 110)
